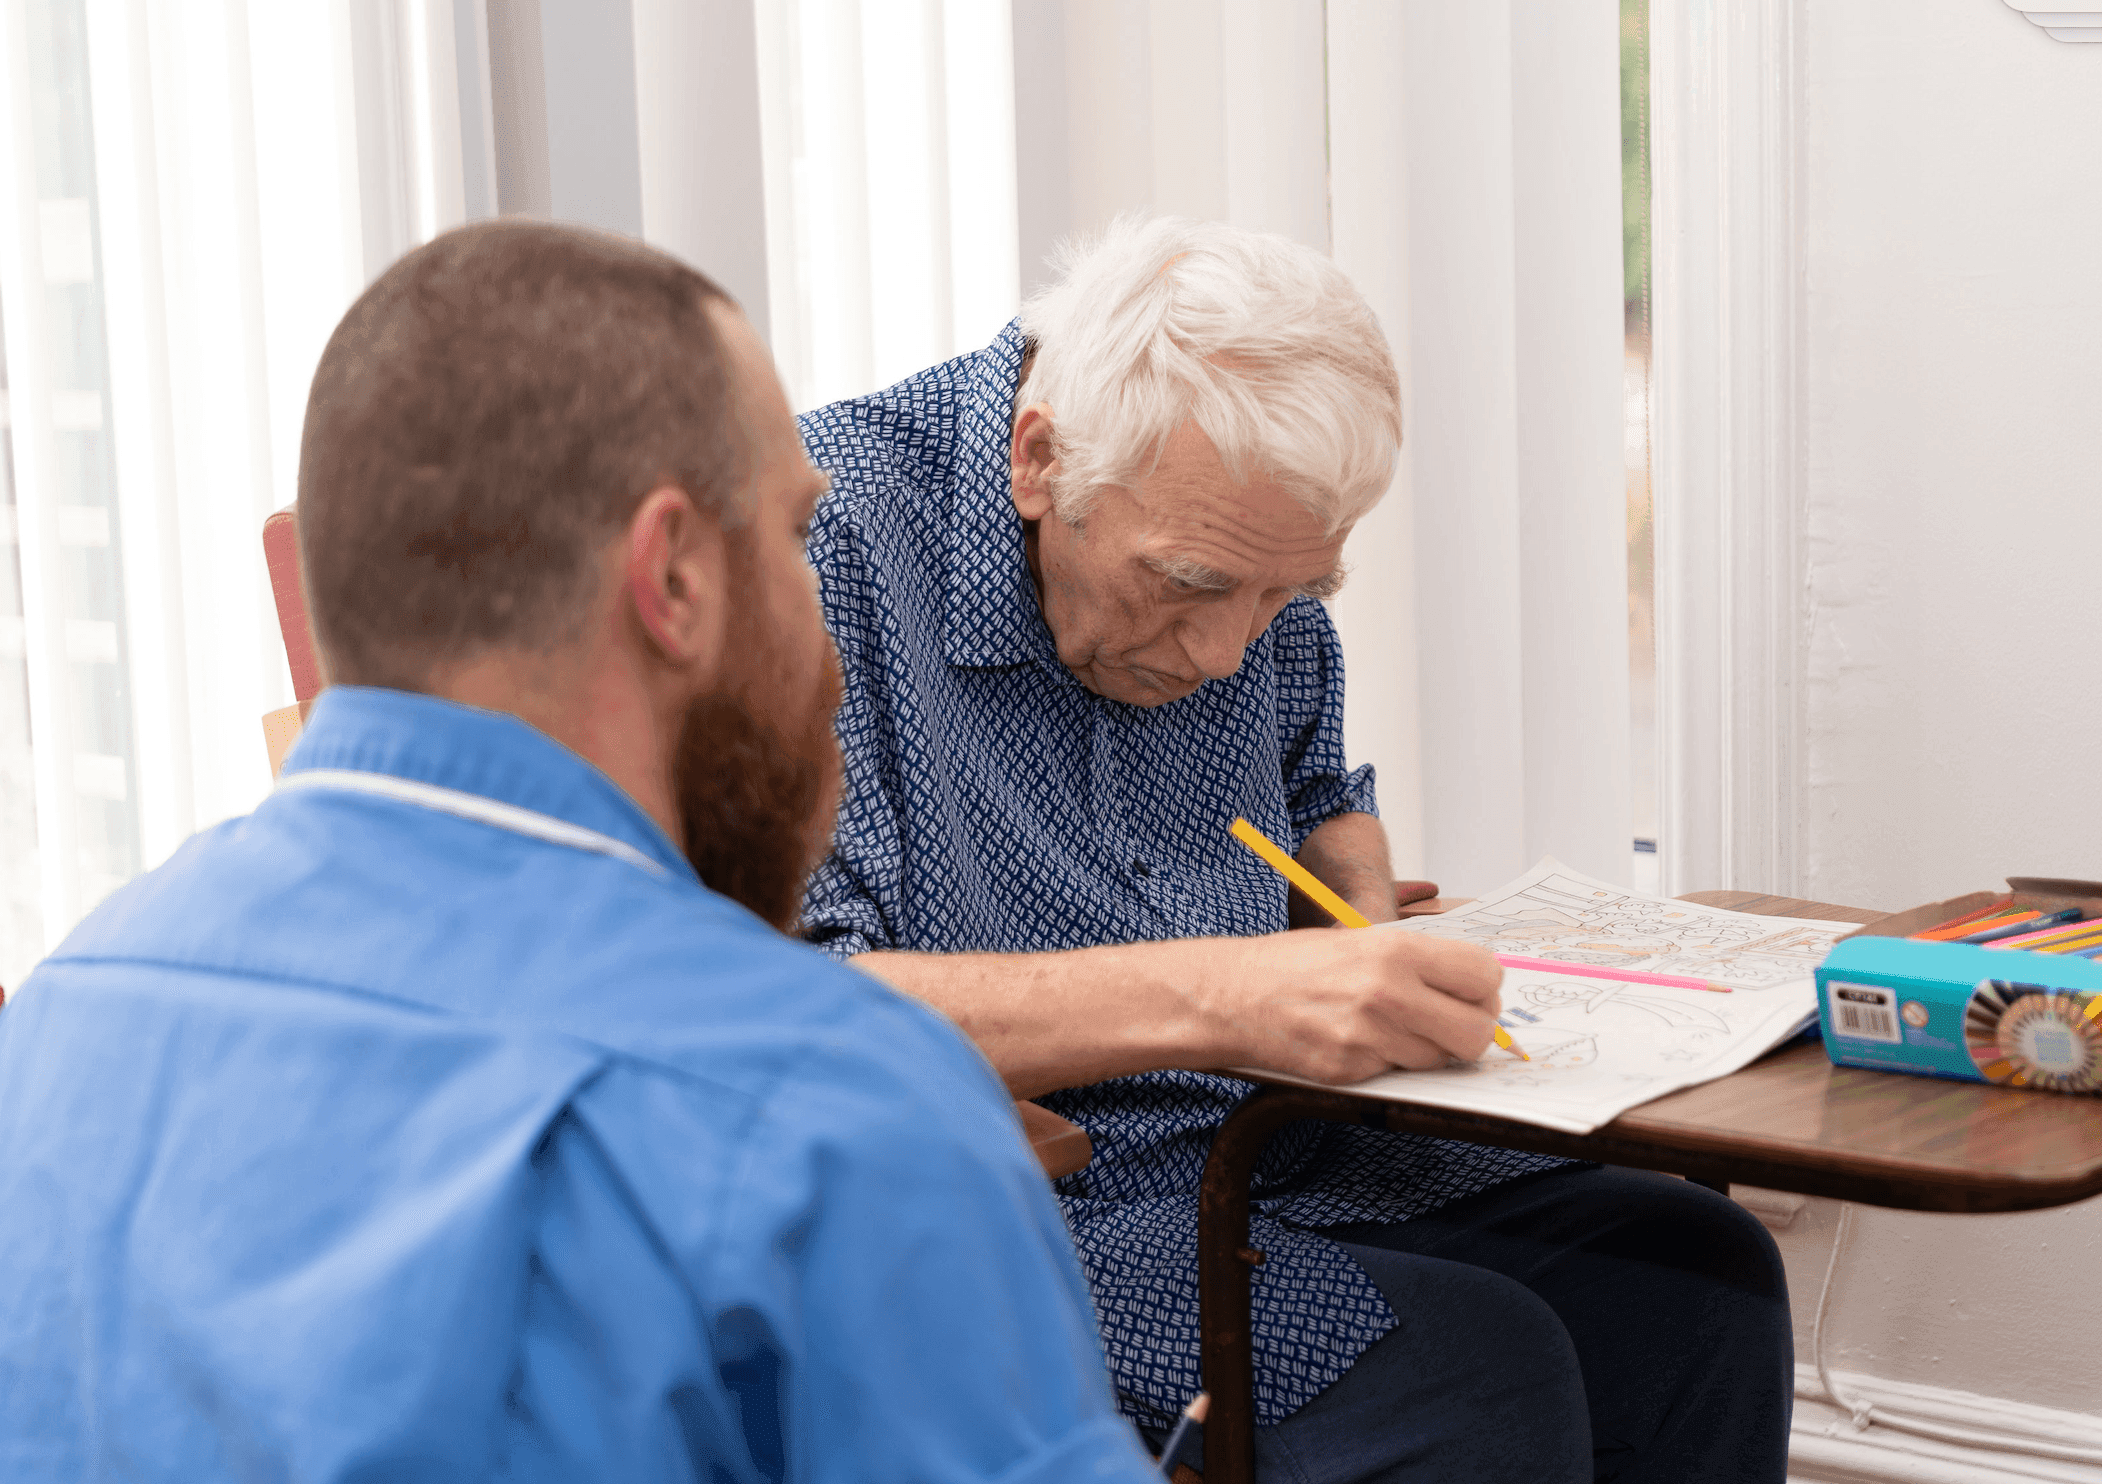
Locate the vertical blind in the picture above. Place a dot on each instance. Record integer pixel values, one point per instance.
(890, 187)
(175, 239)
(189, 199)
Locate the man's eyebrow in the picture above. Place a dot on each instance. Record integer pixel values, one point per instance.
(1329, 586)
(1187, 573)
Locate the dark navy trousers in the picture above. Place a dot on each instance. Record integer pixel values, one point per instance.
(1572, 1326)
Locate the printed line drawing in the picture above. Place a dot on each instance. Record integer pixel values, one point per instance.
(1593, 994)
(1601, 1046)
(1553, 913)
(1551, 1046)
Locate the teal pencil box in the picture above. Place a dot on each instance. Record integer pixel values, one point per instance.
(1962, 1011)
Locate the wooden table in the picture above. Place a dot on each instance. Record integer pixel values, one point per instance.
(1790, 1121)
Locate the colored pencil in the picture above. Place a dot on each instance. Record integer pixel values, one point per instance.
(1596, 971)
(2064, 925)
(1995, 909)
(1998, 909)
(1992, 920)
(1327, 900)
(1189, 1429)
(1957, 927)
(1957, 934)
(2063, 932)
(2067, 945)
(2035, 924)
(2084, 948)
(2074, 926)
(2019, 922)
(2061, 944)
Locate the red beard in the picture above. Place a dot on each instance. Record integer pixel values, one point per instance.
(758, 789)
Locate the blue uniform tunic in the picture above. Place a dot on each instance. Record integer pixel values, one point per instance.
(994, 804)
(434, 1122)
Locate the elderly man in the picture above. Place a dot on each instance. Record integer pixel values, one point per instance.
(1075, 581)
(436, 1121)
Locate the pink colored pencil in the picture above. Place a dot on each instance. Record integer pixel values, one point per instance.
(1595, 971)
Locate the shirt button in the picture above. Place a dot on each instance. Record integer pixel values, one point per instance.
(1139, 868)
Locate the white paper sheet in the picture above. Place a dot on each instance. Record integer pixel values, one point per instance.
(1552, 912)
(1602, 1046)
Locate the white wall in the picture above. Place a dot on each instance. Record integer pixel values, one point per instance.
(1955, 450)
(1953, 215)
(1970, 1303)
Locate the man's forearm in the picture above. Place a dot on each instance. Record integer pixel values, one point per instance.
(1336, 1007)
(1052, 1020)
(1349, 855)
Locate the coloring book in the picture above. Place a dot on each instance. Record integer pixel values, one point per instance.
(1601, 1046)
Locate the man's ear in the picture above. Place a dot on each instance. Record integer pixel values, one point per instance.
(676, 581)
(1032, 463)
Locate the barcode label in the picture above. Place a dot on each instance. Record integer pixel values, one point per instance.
(1865, 1012)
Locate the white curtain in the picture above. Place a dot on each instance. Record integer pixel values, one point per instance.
(1484, 140)
(190, 196)
(890, 186)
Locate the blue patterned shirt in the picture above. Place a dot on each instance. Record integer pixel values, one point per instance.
(994, 804)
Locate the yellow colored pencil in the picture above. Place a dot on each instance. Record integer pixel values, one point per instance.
(1327, 900)
(2068, 945)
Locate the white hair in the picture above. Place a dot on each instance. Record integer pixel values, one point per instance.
(1263, 343)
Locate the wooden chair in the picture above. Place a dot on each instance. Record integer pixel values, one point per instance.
(281, 554)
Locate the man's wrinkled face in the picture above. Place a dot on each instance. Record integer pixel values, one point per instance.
(1166, 583)
(757, 771)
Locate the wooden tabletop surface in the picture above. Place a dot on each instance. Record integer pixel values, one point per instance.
(1793, 1121)
(1923, 1143)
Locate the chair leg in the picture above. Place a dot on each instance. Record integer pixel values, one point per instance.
(1225, 1264)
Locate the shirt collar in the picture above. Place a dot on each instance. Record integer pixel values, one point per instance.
(488, 753)
(991, 616)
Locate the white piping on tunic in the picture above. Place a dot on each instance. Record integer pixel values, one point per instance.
(472, 806)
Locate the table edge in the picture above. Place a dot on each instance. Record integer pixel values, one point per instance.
(1870, 1180)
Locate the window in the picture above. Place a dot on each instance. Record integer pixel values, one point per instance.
(58, 432)
(1635, 256)
(180, 229)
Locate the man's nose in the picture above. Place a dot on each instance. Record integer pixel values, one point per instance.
(1216, 639)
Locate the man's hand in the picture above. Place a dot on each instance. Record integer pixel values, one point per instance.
(1344, 1006)
(1337, 1007)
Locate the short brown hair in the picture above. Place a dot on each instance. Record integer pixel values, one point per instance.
(485, 418)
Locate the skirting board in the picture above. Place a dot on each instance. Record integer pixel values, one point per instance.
(1825, 1448)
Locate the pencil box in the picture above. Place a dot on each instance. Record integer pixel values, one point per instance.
(1892, 1003)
